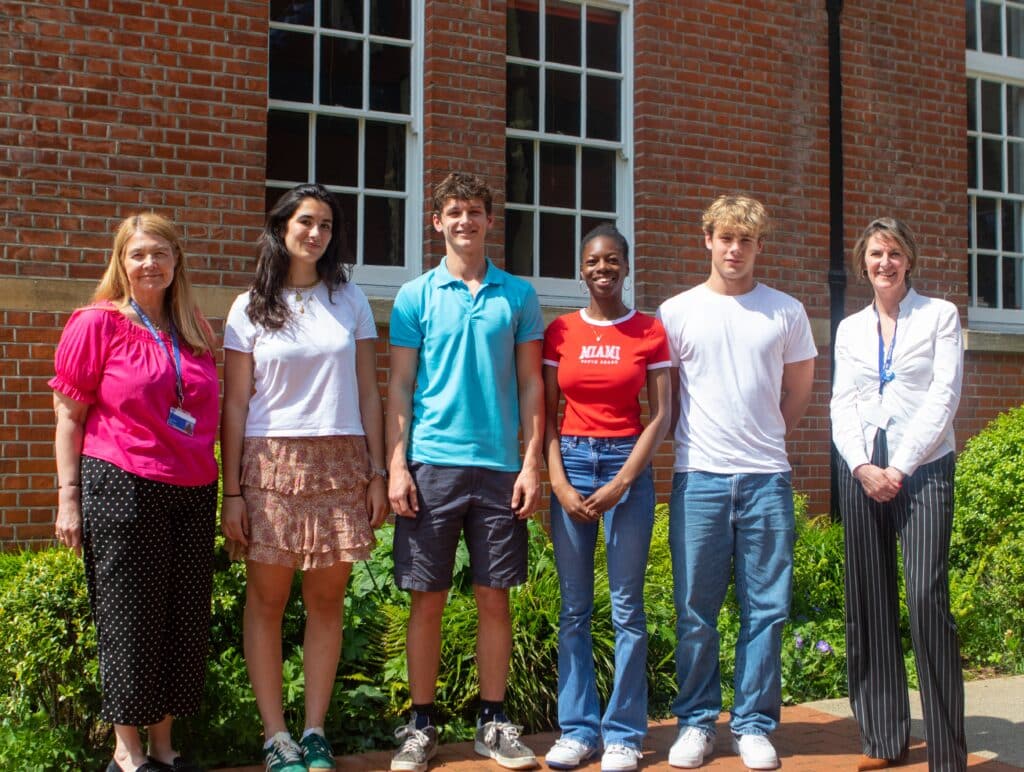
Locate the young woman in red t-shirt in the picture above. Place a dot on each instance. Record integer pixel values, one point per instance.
(599, 463)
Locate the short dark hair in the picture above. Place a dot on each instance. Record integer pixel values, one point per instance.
(462, 186)
(607, 230)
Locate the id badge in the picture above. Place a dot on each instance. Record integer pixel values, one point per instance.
(876, 415)
(182, 420)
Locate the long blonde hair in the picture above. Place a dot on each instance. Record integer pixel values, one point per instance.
(179, 301)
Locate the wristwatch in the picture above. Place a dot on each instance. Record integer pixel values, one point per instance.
(378, 471)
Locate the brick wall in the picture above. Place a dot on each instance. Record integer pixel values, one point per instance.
(112, 106)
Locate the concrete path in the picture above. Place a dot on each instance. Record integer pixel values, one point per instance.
(817, 737)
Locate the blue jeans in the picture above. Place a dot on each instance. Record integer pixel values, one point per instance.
(589, 463)
(718, 524)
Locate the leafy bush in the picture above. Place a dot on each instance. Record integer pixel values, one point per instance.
(49, 682)
(987, 546)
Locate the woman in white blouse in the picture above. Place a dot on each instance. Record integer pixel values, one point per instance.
(898, 369)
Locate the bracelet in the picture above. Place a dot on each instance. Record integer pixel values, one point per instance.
(231, 495)
(70, 485)
(379, 471)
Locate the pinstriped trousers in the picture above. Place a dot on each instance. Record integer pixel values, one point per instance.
(921, 517)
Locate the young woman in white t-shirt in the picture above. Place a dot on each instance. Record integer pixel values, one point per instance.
(302, 445)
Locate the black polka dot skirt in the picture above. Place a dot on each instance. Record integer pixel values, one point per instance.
(148, 549)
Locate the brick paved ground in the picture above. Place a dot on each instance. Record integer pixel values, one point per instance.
(807, 741)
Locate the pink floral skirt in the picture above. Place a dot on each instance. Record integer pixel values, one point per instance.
(306, 501)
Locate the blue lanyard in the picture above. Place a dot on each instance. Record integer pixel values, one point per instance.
(175, 358)
(885, 373)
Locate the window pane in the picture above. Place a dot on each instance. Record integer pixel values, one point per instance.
(288, 146)
(603, 108)
(523, 34)
(1014, 110)
(342, 14)
(562, 34)
(557, 175)
(987, 267)
(522, 96)
(1015, 167)
(519, 242)
(271, 196)
(986, 208)
(587, 224)
(1014, 31)
(598, 180)
(972, 162)
(1012, 285)
(972, 32)
(337, 151)
(519, 171)
(992, 164)
(1011, 226)
(291, 66)
(562, 103)
(383, 231)
(991, 107)
(292, 11)
(389, 78)
(972, 104)
(558, 245)
(390, 18)
(603, 38)
(349, 209)
(341, 72)
(385, 156)
(991, 29)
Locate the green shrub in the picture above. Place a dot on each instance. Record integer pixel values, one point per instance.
(49, 682)
(987, 545)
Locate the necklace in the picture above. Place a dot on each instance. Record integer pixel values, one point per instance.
(300, 299)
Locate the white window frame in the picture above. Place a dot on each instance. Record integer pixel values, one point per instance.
(375, 280)
(1004, 70)
(566, 292)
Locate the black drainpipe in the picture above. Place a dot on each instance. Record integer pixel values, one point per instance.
(836, 270)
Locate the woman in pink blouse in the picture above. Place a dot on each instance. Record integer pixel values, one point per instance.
(135, 394)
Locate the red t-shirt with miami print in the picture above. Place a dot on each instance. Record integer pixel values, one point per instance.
(602, 366)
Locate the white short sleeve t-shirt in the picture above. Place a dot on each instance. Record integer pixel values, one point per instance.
(305, 372)
(730, 351)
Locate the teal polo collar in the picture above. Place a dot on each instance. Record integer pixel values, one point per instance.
(442, 277)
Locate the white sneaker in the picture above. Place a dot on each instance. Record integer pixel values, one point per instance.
(619, 758)
(756, 750)
(690, 748)
(567, 753)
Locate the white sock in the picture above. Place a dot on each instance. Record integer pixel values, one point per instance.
(283, 735)
(313, 730)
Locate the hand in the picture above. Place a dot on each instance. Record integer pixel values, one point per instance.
(895, 475)
(606, 497)
(234, 520)
(574, 505)
(876, 484)
(68, 528)
(402, 492)
(377, 501)
(526, 492)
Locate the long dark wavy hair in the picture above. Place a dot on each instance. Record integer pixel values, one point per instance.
(266, 306)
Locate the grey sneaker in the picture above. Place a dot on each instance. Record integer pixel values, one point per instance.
(500, 741)
(418, 747)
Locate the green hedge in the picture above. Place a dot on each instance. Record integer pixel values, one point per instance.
(48, 673)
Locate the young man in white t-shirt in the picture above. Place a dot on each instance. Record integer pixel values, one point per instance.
(743, 367)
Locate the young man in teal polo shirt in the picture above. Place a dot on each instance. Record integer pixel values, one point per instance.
(465, 378)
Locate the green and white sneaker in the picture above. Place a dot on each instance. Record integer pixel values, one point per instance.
(317, 752)
(500, 741)
(283, 755)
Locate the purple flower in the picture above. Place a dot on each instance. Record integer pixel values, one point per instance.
(823, 647)
(799, 640)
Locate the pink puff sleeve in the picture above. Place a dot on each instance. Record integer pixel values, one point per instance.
(82, 353)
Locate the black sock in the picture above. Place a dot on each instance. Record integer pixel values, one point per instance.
(492, 711)
(423, 715)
